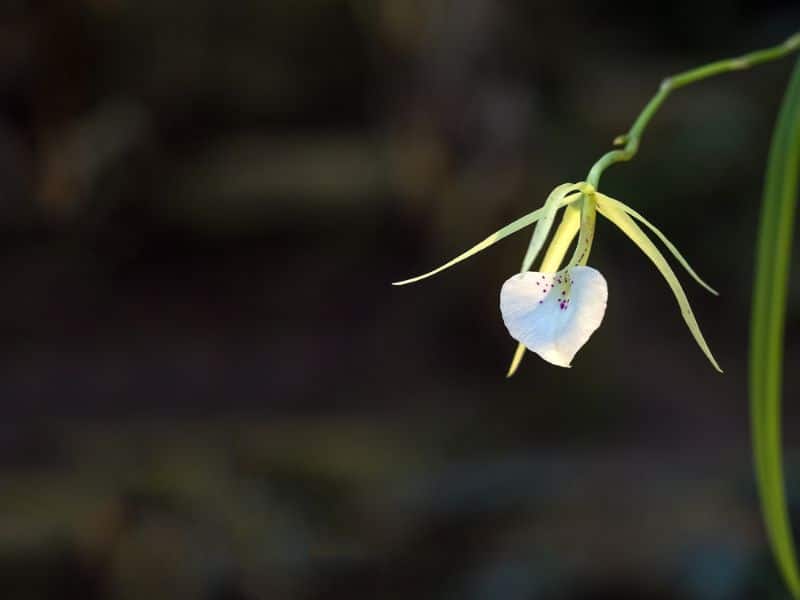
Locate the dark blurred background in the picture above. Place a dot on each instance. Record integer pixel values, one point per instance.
(209, 388)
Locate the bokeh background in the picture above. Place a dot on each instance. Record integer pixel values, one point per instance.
(209, 388)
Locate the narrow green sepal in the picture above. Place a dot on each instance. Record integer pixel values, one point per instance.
(551, 206)
(670, 246)
(629, 227)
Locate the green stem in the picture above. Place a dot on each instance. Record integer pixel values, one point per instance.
(634, 135)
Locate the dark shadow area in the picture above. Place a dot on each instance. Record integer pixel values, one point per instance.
(210, 389)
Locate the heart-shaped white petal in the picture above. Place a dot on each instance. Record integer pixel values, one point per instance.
(554, 314)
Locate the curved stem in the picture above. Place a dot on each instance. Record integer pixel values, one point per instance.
(634, 135)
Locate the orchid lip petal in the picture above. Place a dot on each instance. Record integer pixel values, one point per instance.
(554, 314)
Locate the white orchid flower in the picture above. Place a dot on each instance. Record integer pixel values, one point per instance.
(554, 311)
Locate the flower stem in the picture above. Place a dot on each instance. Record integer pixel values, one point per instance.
(634, 135)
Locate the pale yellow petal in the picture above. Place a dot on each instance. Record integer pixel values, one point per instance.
(511, 228)
(563, 237)
(588, 207)
(518, 354)
(553, 258)
(628, 226)
(552, 204)
(670, 246)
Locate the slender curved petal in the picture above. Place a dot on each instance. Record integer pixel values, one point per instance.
(554, 314)
(558, 198)
(621, 219)
(552, 204)
(670, 246)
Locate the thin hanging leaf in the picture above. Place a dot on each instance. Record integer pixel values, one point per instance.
(767, 328)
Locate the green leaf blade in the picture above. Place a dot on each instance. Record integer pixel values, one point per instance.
(768, 318)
